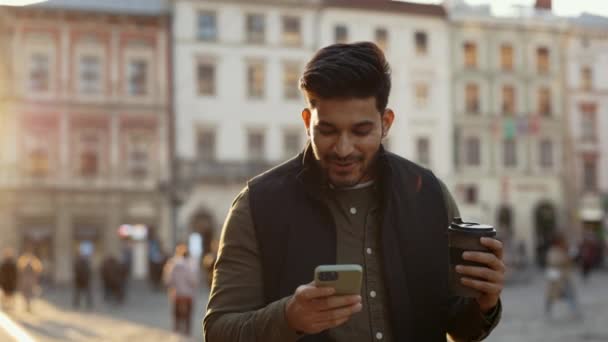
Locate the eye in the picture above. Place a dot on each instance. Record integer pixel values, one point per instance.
(326, 130)
(361, 132)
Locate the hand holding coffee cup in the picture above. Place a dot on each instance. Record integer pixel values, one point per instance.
(476, 266)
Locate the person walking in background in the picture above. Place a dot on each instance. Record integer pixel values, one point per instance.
(82, 279)
(8, 278)
(560, 283)
(181, 282)
(209, 260)
(588, 253)
(30, 269)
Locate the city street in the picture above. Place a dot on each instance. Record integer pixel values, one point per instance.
(146, 317)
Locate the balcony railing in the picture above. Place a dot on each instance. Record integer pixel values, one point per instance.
(218, 171)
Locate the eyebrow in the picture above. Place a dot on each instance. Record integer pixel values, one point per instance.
(361, 124)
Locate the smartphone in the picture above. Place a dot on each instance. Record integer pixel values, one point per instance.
(346, 279)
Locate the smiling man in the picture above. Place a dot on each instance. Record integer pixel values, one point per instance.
(345, 200)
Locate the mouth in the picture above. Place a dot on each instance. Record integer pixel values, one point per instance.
(341, 167)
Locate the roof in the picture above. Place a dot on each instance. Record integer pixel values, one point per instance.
(136, 7)
(591, 20)
(390, 6)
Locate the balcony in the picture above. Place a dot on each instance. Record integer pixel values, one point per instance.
(192, 171)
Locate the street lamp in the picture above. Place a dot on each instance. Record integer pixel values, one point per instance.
(19, 2)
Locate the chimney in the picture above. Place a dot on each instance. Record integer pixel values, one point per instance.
(543, 5)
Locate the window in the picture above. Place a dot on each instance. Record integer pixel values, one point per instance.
(470, 55)
(138, 155)
(506, 57)
(544, 101)
(422, 94)
(382, 38)
(470, 194)
(508, 100)
(341, 34)
(472, 98)
(586, 78)
(472, 151)
(291, 31)
(509, 153)
(291, 143)
(255, 145)
(542, 60)
(89, 154)
(90, 75)
(546, 153)
(38, 155)
(39, 73)
(421, 43)
(255, 80)
(205, 144)
(291, 75)
(206, 79)
(423, 151)
(137, 74)
(207, 26)
(588, 125)
(590, 173)
(256, 28)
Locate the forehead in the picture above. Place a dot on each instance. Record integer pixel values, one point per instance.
(345, 110)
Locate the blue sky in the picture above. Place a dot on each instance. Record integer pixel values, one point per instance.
(560, 7)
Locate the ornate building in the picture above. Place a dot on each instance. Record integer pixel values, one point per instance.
(85, 118)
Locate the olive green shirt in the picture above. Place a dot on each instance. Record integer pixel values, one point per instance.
(237, 310)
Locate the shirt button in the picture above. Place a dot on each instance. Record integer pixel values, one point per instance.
(369, 251)
(353, 210)
(379, 335)
(372, 294)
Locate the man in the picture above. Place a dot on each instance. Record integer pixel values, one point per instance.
(181, 282)
(345, 200)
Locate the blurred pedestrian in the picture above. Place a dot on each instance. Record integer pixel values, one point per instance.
(560, 284)
(112, 276)
(8, 278)
(156, 259)
(589, 253)
(30, 269)
(181, 281)
(209, 261)
(82, 280)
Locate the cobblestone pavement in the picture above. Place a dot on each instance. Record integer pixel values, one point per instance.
(523, 317)
(146, 316)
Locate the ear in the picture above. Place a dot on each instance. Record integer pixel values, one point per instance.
(306, 115)
(387, 121)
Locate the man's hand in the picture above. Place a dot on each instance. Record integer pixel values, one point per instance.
(314, 309)
(488, 280)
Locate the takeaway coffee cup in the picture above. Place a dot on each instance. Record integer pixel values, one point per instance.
(462, 237)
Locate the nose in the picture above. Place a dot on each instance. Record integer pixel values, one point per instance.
(344, 147)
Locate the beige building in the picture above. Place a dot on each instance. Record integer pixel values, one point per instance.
(84, 112)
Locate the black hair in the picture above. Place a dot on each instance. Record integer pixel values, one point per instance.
(345, 71)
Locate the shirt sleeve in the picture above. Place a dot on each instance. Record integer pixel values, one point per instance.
(236, 310)
(450, 203)
(466, 321)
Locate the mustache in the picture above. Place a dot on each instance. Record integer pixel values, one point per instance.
(344, 160)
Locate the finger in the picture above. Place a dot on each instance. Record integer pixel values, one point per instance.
(494, 245)
(308, 292)
(482, 286)
(335, 315)
(485, 258)
(481, 273)
(332, 302)
(321, 326)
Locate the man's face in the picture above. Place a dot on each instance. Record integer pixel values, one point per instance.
(345, 136)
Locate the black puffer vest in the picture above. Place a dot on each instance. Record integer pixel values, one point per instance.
(296, 232)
